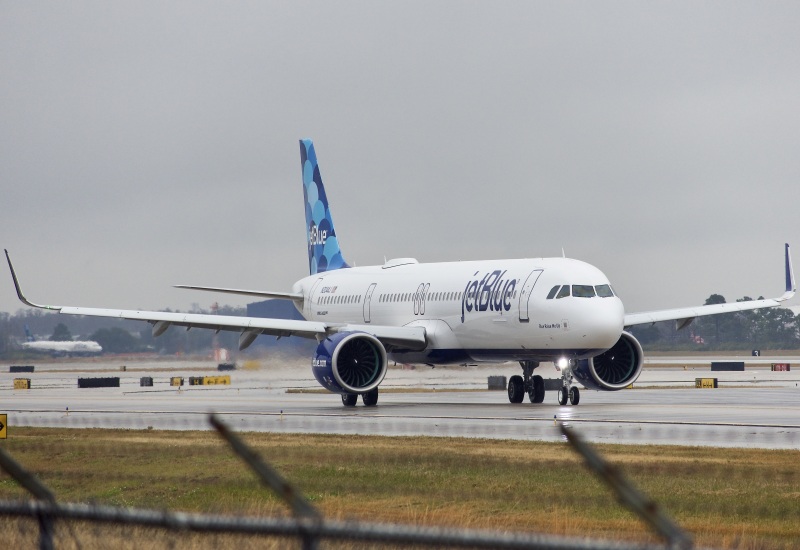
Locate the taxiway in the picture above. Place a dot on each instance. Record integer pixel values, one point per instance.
(754, 408)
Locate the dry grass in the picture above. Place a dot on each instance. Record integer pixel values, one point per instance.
(734, 498)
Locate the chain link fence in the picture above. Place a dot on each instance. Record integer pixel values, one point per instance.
(136, 467)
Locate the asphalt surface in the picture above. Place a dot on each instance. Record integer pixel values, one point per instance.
(754, 408)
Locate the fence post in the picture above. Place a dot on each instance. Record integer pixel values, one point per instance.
(639, 503)
(301, 507)
(38, 490)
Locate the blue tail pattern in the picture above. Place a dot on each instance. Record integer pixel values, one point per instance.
(324, 253)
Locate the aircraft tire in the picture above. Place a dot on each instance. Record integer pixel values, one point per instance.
(574, 396)
(370, 398)
(563, 396)
(516, 389)
(536, 394)
(349, 399)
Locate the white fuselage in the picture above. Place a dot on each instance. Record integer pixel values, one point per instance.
(491, 310)
(66, 347)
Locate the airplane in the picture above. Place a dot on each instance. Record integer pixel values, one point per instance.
(70, 347)
(532, 310)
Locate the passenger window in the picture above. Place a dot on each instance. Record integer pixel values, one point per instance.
(583, 291)
(563, 293)
(553, 292)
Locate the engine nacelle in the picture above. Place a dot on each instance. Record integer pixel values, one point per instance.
(614, 369)
(350, 362)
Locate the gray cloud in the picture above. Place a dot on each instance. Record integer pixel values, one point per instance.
(144, 145)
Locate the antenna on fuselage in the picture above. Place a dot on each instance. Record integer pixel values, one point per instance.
(563, 254)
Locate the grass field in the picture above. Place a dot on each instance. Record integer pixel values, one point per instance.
(730, 498)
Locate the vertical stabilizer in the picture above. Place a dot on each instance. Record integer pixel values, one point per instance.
(28, 335)
(324, 253)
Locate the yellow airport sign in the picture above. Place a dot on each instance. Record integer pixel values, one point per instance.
(3, 426)
(705, 383)
(217, 380)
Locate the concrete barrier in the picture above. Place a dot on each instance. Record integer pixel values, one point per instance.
(20, 368)
(110, 382)
(553, 384)
(497, 383)
(727, 366)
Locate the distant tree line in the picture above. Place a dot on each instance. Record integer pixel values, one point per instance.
(770, 328)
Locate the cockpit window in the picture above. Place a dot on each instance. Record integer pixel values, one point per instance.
(553, 292)
(583, 291)
(564, 292)
(604, 291)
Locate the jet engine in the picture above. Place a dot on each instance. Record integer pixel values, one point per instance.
(350, 362)
(613, 369)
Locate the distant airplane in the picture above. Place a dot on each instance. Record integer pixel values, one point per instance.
(527, 310)
(69, 347)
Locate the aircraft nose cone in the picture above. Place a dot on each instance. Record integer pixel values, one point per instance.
(603, 323)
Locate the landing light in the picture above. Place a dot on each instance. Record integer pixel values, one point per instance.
(562, 363)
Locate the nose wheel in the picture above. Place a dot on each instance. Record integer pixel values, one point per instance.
(568, 392)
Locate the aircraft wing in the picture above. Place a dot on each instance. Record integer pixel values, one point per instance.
(259, 293)
(249, 327)
(685, 315)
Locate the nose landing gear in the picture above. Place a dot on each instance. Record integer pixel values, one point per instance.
(568, 391)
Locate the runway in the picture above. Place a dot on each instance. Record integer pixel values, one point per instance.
(754, 408)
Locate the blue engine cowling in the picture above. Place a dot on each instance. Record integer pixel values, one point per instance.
(350, 362)
(615, 368)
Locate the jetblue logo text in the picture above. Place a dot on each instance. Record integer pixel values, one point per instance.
(488, 293)
(316, 236)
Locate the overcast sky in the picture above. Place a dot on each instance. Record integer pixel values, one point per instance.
(146, 144)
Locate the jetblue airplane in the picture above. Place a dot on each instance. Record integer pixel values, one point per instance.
(69, 347)
(527, 310)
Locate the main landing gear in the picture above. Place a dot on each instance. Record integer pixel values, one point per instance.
(533, 385)
(528, 383)
(370, 398)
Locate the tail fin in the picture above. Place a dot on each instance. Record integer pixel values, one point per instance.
(28, 335)
(324, 253)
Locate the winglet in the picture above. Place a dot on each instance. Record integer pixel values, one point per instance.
(791, 287)
(21, 296)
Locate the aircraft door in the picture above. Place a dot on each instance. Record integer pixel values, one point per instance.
(367, 300)
(310, 302)
(525, 294)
